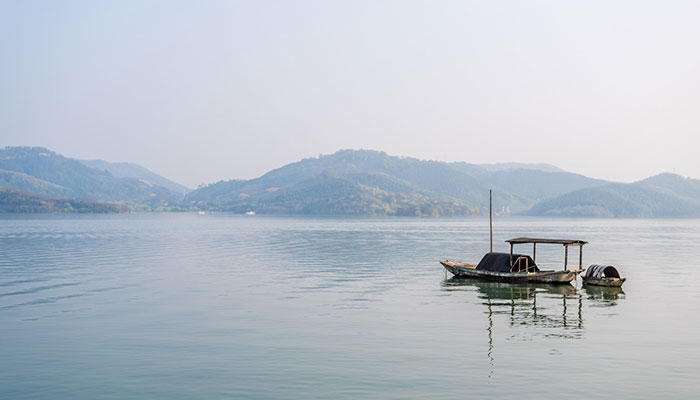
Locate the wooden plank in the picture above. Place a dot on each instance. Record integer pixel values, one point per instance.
(523, 240)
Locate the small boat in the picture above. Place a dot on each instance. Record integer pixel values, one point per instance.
(249, 212)
(509, 267)
(603, 275)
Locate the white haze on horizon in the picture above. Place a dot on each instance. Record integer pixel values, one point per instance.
(200, 92)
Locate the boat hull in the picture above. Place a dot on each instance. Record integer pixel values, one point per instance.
(464, 270)
(607, 282)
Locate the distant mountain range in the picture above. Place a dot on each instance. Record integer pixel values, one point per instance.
(515, 165)
(661, 196)
(40, 171)
(372, 182)
(349, 182)
(129, 170)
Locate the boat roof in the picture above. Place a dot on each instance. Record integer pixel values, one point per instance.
(541, 240)
(504, 262)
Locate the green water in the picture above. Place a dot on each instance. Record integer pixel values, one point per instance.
(181, 306)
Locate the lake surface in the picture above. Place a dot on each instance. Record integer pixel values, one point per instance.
(182, 306)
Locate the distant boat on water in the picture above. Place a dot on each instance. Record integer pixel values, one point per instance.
(249, 212)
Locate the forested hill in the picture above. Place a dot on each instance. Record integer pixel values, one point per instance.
(348, 182)
(374, 183)
(661, 196)
(131, 170)
(41, 171)
(16, 202)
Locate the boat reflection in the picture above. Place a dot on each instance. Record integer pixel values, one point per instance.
(604, 296)
(534, 310)
(557, 309)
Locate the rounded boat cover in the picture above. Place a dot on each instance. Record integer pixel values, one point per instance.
(500, 262)
(598, 271)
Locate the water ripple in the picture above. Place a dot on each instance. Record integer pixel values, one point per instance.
(182, 306)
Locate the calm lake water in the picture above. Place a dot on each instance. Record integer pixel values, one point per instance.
(182, 306)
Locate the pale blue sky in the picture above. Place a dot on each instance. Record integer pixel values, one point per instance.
(203, 91)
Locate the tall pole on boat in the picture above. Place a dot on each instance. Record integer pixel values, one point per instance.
(490, 221)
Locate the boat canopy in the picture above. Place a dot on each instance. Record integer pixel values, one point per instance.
(602, 271)
(500, 262)
(565, 242)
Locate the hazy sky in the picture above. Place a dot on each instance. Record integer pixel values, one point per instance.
(200, 91)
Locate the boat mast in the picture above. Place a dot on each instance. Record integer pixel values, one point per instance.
(490, 221)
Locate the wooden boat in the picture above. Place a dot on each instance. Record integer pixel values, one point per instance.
(464, 270)
(603, 275)
(509, 267)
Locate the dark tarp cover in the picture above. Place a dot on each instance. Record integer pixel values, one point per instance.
(500, 262)
(601, 271)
